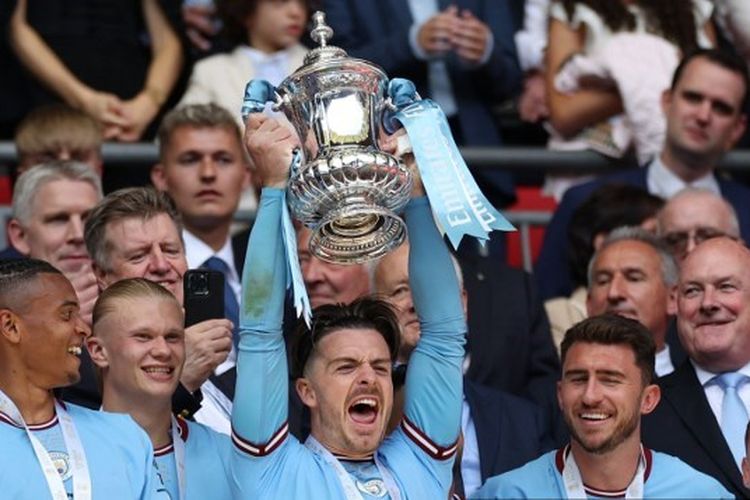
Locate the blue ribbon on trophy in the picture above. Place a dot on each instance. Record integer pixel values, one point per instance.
(257, 94)
(459, 206)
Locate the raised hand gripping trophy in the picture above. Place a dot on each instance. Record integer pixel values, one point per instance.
(346, 189)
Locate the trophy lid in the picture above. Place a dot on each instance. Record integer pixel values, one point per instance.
(326, 58)
(321, 33)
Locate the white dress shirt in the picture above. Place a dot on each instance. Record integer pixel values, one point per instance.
(663, 362)
(470, 471)
(663, 182)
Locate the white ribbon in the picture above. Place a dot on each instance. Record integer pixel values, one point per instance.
(76, 455)
(350, 489)
(179, 457)
(573, 481)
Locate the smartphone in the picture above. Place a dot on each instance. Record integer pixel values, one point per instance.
(204, 295)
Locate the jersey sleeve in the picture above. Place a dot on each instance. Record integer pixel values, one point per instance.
(259, 415)
(434, 386)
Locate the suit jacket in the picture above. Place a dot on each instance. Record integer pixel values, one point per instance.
(509, 341)
(683, 425)
(378, 30)
(510, 431)
(509, 338)
(222, 78)
(551, 270)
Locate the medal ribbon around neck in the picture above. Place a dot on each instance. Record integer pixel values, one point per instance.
(350, 489)
(573, 481)
(76, 455)
(257, 94)
(179, 456)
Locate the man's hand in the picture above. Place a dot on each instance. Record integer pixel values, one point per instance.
(270, 144)
(435, 35)
(87, 290)
(470, 37)
(201, 25)
(399, 146)
(207, 345)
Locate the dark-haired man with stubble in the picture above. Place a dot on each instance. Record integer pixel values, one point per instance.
(607, 385)
(344, 368)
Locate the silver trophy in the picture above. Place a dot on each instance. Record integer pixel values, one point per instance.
(345, 188)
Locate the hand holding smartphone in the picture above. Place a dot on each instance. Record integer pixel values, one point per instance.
(204, 295)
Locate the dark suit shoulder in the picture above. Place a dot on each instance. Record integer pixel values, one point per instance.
(10, 253)
(738, 195)
(486, 395)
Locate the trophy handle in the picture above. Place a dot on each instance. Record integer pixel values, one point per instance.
(257, 94)
(401, 92)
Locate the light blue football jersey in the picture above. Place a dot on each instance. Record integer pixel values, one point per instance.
(665, 477)
(117, 450)
(206, 464)
(267, 462)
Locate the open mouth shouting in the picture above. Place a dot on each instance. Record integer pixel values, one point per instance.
(364, 410)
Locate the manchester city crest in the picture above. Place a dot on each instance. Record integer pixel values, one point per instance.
(61, 463)
(373, 487)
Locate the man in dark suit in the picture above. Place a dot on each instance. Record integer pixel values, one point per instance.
(705, 118)
(459, 53)
(703, 413)
(509, 345)
(501, 431)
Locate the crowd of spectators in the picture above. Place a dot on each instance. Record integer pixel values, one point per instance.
(458, 354)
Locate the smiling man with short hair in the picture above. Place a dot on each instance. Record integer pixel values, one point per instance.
(607, 385)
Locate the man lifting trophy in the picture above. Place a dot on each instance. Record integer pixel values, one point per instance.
(342, 185)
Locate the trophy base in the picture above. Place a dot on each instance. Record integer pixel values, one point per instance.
(357, 233)
(349, 198)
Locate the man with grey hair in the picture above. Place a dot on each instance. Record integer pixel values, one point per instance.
(50, 204)
(136, 233)
(694, 215)
(632, 275)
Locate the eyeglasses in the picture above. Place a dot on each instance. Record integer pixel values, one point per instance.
(677, 241)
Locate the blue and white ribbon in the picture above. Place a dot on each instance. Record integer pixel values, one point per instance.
(257, 94)
(459, 206)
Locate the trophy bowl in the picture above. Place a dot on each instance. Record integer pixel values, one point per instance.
(346, 190)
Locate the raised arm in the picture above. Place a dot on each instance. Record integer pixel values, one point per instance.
(261, 397)
(433, 381)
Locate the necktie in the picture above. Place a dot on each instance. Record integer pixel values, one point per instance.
(733, 413)
(231, 307)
